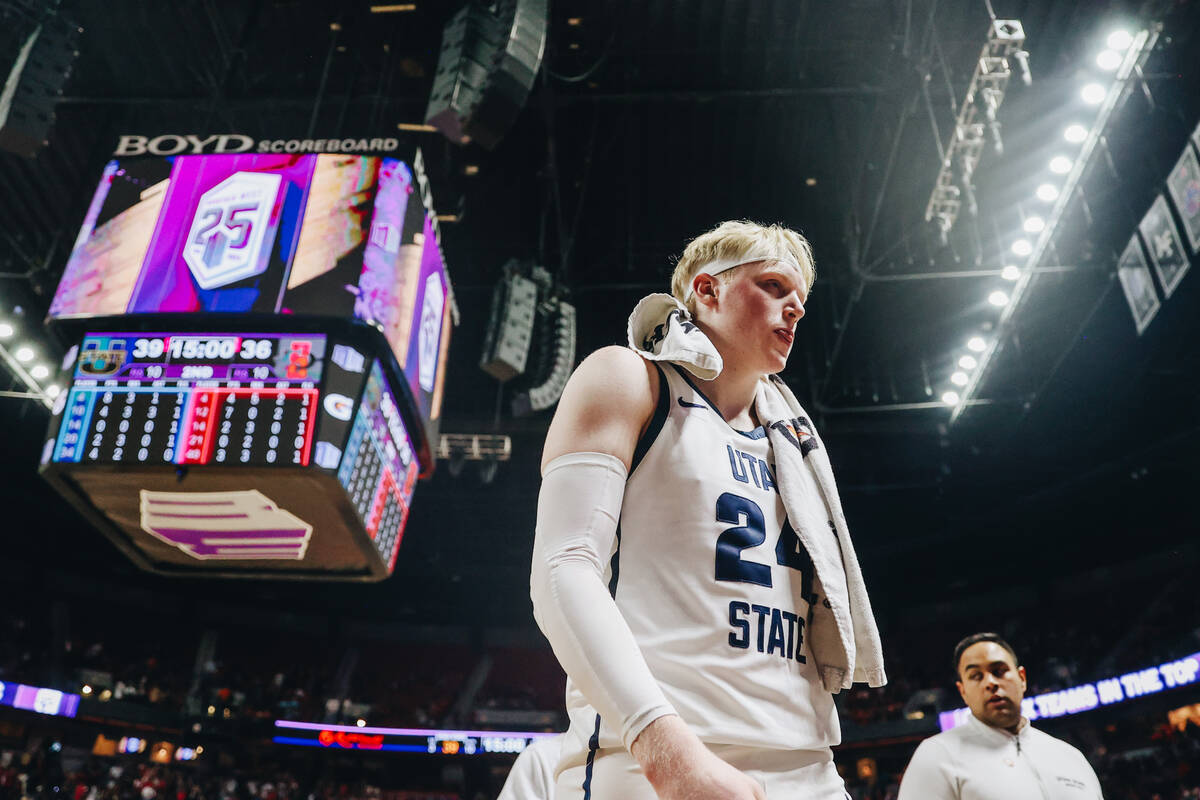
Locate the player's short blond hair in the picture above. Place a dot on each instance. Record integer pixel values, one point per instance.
(736, 239)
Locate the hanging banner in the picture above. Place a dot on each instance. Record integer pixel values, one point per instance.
(1138, 285)
(1184, 185)
(1164, 245)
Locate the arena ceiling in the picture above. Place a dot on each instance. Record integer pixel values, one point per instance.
(652, 122)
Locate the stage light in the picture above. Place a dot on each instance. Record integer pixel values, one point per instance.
(1075, 134)
(810, 181)
(39, 371)
(998, 298)
(1010, 273)
(1047, 193)
(362, 723)
(1108, 60)
(976, 344)
(6, 330)
(1093, 94)
(1022, 247)
(24, 354)
(968, 362)
(950, 398)
(1034, 224)
(1119, 40)
(52, 391)
(959, 379)
(1060, 165)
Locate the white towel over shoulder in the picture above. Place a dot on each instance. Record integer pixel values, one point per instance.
(843, 636)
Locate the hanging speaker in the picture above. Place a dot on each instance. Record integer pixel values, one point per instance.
(34, 85)
(557, 359)
(489, 60)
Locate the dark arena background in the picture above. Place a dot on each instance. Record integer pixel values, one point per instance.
(1002, 352)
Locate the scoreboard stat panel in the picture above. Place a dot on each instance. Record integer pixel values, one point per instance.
(192, 399)
(379, 470)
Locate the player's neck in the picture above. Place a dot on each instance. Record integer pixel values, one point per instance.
(732, 392)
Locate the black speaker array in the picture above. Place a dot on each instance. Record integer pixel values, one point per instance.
(490, 57)
(35, 82)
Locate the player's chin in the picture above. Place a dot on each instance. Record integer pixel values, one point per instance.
(776, 363)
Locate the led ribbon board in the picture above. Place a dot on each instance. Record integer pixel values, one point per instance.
(36, 698)
(1087, 696)
(404, 740)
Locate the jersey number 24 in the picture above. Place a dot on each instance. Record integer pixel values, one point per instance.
(730, 566)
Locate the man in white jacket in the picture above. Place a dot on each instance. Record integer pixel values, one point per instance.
(997, 754)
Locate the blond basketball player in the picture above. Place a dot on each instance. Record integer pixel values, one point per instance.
(667, 574)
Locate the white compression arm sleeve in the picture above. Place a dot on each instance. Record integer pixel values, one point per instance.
(578, 509)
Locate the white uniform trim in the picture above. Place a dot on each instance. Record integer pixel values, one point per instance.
(978, 762)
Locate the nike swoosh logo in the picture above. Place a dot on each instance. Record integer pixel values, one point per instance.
(686, 404)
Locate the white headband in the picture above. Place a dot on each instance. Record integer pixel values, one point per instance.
(724, 265)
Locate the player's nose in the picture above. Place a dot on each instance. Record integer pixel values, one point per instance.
(793, 309)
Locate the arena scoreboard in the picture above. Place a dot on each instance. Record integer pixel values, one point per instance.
(192, 399)
(256, 350)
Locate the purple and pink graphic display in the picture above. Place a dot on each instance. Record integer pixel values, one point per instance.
(429, 334)
(36, 698)
(327, 235)
(379, 468)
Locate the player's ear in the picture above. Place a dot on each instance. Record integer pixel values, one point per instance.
(962, 691)
(705, 288)
(1024, 679)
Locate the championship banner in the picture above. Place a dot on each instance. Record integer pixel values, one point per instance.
(1138, 285)
(1164, 245)
(1184, 185)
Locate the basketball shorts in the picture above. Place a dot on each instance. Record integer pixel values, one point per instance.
(613, 774)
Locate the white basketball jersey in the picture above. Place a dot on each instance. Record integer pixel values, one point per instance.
(715, 585)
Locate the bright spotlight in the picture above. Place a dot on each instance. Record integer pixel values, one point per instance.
(1093, 94)
(1010, 273)
(998, 298)
(39, 371)
(24, 354)
(52, 391)
(1108, 60)
(976, 344)
(362, 723)
(1119, 40)
(1034, 224)
(968, 362)
(1060, 165)
(6, 330)
(1022, 247)
(1075, 134)
(950, 398)
(1047, 193)
(959, 379)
